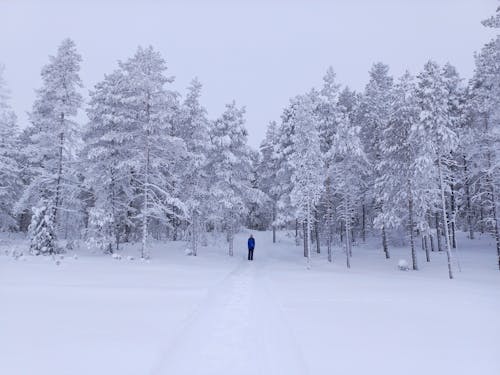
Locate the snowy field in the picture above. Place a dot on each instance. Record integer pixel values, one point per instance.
(212, 314)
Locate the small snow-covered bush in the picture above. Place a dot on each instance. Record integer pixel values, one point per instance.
(42, 231)
(403, 265)
(116, 256)
(130, 257)
(188, 252)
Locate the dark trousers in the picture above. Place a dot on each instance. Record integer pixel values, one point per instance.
(250, 254)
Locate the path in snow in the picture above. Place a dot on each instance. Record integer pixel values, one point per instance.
(239, 329)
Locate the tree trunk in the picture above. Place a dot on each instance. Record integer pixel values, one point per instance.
(230, 236)
(274, 219)
(194, 234)
(384, 243)
(347, 229)
(363, 227)
(59, 173)
(445, 224)
(308, 234)
(426, 247)
(468, 201)
(438, 233)
(410, 218)
(297, 241)
(316, 232)
(304, 231)
(452, 212)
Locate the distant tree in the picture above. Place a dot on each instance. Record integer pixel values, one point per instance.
(229, 170)
(307, 162)
(374, 114)
(10, 182)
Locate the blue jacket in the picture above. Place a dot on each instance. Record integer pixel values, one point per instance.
(251, 243)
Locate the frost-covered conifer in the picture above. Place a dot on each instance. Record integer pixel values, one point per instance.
(374, 114)
(307, 162)
(435, 136)
(348, 173)
(105, 158)
(54, 136)
(42, 230)
(154, 153)
(229, 168)
(10, 183)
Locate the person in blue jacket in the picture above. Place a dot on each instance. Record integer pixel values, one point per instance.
(251, 246)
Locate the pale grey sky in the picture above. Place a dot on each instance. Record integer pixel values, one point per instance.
(258, 52)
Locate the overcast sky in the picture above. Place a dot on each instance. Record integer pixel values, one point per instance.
(259, 53)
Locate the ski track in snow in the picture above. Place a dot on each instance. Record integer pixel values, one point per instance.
(238, 329)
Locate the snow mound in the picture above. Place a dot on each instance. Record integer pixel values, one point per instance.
(116, 256)
(403, 265)
(130, 257)
(188, 252)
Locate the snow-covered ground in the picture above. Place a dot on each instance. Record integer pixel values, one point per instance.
(213, 314)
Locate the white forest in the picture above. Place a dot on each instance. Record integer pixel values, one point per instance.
(375, 213)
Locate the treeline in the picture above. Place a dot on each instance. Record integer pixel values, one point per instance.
(415, 157)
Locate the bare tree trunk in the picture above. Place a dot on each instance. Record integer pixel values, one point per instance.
(363, 228)
(468, 201)
(452, 212)
(438, 233)
(426, 247)
(304, 231)
(384, 243)
(230, 236)
(308, 235)
(274, 219)
(297, 240)
(59, 172)
(445, 224)
(194, 233)
(410, 229)
(316, 232)
(347, 229)
(431, 238)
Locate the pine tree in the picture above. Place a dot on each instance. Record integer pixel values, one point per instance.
(193, 129)
(154, 153)
(348, 173)
(10, 183)
(307, 163)
(374, 114)
(42, 230)
(434, 134)
(104, 160)
(229, 169)
(54, 134)
(486, 99)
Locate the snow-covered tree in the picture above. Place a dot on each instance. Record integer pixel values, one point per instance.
(54, 135)
(307, 162)
(402, 174)
(347, 173)
(10, 183)
(268, 170)
(229, 168)
(42, 230)
(374, 114)
(193, 129)
(105, 159)
(486, 112)
(435, 136)
(153, 151)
